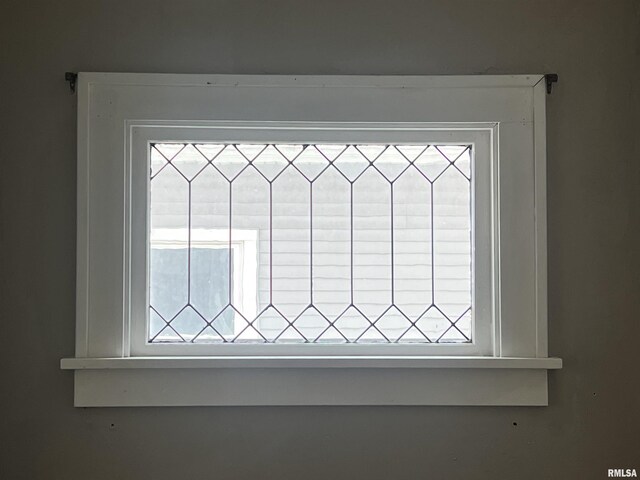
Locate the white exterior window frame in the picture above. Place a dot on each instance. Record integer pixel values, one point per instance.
(245, 267)
(502, 116)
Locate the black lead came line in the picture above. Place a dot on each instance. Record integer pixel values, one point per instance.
(310, 244)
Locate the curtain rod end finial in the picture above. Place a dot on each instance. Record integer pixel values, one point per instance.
(71, 77)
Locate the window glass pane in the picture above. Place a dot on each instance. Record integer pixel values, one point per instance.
(310, 243)
(209, 293)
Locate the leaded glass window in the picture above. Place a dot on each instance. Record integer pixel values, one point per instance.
(351, 243)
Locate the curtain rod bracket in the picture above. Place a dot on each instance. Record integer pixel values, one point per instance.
(71, 77)
(550, 79)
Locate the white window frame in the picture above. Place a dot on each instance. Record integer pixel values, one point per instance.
(120, 114)
(479, 136)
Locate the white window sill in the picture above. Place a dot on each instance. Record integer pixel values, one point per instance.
(330, 380)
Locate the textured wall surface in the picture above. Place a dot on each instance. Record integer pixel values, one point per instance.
(593, 420)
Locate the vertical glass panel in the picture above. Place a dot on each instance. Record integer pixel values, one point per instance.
(412, 243)
(331, 245)
(250, 219)
(291, 243)
(211, 287)
(452, 243)
(372, 243)
(168, 253)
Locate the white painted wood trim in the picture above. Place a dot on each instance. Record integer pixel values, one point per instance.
(82, 223)
(362, 361)
(540, 192)
(317, 386)
(480, 135)
(110, 104)
(365, 81)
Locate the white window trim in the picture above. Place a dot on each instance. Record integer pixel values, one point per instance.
(115, 111)
(481, 136)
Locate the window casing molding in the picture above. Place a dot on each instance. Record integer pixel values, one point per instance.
(503, 116)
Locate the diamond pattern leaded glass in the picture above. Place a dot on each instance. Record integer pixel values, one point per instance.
(268, 243)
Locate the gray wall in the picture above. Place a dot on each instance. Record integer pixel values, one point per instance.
(593, 420)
